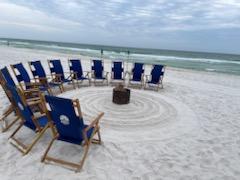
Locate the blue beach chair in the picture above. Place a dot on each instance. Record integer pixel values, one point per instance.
(57, 73)
(79, 75)
(7, 77)
(98, 73)
(40, 75)
(6, 125)
(68, 126)
(24, 80)
(29, 95)
(39, 123)
(156, 77)
(117, 75)
(137, 75)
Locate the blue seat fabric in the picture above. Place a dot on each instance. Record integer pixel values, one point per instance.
(72, 131)
(117, 70)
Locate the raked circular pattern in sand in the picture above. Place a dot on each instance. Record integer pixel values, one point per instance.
(149, 115)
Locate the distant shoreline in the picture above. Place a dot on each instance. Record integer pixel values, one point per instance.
(214, 62)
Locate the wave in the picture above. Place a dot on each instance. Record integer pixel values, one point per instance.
(175, 58)
(222, 63)
(123, 55)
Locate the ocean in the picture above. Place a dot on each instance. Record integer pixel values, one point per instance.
(202, 61)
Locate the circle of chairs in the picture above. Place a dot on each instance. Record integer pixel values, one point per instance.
(34, 105)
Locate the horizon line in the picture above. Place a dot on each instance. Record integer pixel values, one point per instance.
(117, 46)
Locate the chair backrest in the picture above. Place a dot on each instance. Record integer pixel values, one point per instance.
(4, 83)
(156, 73)
(23, 108)
(20, 73)
(117, 70)
(76, 66)
(97, 68)
(7, 77)
(55, 66)
(37, 69)
(62, 113)
(137, 71)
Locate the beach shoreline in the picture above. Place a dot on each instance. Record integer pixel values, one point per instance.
(191, 128)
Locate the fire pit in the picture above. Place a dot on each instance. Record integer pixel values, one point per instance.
(121, 95)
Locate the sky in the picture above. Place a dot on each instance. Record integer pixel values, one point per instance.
(194, 25)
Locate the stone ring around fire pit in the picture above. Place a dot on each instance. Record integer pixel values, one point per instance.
(121, 95)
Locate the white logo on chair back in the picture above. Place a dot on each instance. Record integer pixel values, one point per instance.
(64, 120)
(20, 106)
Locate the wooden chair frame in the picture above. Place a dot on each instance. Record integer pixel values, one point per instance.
(9, 110)
(86, 143)
(56, 78)
(98, 81)
(75, 76)
(24, 149)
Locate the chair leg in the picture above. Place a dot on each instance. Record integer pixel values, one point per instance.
(74, 87)
(19, 145)
(48, 148)
(84, 157)
(38, 136)
(11, 124)
(97, 141)
(7, 112)
(62, 88)
(50, 91)
(16, 130)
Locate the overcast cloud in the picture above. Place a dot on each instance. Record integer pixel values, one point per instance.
(206, 25)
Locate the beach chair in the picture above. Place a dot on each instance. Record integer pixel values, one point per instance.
(24, 80)
(57, 73)
(136, 78)
(98, 74)
(117, 75)
(6, 79)
(28, 93)
(40, 76)
(10, 109)
(38, 123)
(69, 127)
(79, 75)
(154, 80)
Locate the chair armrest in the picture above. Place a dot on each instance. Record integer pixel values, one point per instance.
(33, 99)
(41, 80)
(87, 73)
(92, 74)
(147, 77)
(106, 73)
(57, 77)
(93, 123)
(33, 83)
(72, 75)
(125, 74)
(33, 90)
(32, 103)
(39, 116)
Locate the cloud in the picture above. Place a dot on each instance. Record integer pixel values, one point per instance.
(120, 22)
(163, 15)
(18, 15)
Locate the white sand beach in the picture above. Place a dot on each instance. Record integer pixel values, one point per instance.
(190, 130)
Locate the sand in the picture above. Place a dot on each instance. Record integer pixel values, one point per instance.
(188, 130)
